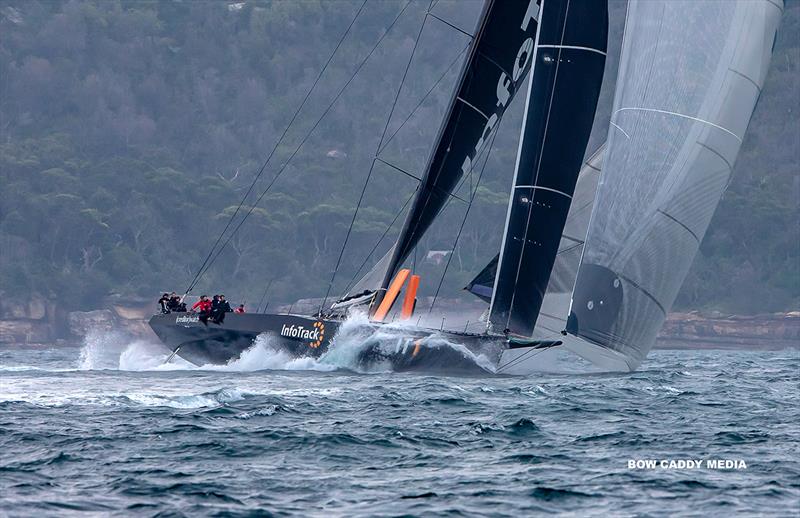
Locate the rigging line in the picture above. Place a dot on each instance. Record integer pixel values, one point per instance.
(405, 74)
(428, 93)
(466, 214)
(463, 180)
(280, 140)
(346, 238)
(310, 132)
(524, 356)
(375, 158)
(569, 248)
(388, 228)
(418, 179)
(459, 29)
(398, 169)
(269, 284)
(439, 189)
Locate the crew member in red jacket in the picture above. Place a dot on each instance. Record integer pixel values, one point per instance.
(204, 307)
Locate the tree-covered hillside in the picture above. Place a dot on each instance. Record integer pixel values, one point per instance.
(130, 131)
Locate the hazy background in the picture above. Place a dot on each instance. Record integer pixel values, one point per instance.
(129, 131)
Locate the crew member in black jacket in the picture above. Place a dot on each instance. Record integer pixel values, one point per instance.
(222, 307)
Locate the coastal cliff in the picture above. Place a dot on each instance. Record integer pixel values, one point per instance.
(717, 331)
(40, 321)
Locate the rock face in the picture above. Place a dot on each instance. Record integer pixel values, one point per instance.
(24, 331)
(696, 331)
(30, 320)
(34, 308)
(129, 319)
(37, 320)
(80, 322)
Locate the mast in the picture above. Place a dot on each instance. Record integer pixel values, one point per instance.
(567, 73)
(499, 57)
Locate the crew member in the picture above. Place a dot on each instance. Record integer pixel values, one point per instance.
(204, 307)
(174, 302)
(222, 307)
(240, 309)
(164, 303)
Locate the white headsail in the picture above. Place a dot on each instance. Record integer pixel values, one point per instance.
(689, 77)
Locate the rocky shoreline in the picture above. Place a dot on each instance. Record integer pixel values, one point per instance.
(695, 330)
(39, 321)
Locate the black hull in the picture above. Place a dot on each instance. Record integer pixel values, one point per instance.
(300, 336)
(217, 344)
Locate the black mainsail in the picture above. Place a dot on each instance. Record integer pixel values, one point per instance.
(569, 59)
(498, 61)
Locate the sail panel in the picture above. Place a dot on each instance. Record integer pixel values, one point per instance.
(499, 59)
(565, 268)
(567, 77)
(483, 283)
(690, 75)
(570, 249)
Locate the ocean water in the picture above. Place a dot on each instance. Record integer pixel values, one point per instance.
(107, 428)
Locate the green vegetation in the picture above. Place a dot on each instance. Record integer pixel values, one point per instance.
(129, 132)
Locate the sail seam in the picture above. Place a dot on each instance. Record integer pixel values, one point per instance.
(622, 130)
(543, 189)
(748, 78)
(730, 168)
(572, 47)
(644, 291)
(495, 63)
(669, 216)
(667, 112)
(775, 5)
(473, 107)
(577, 240)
